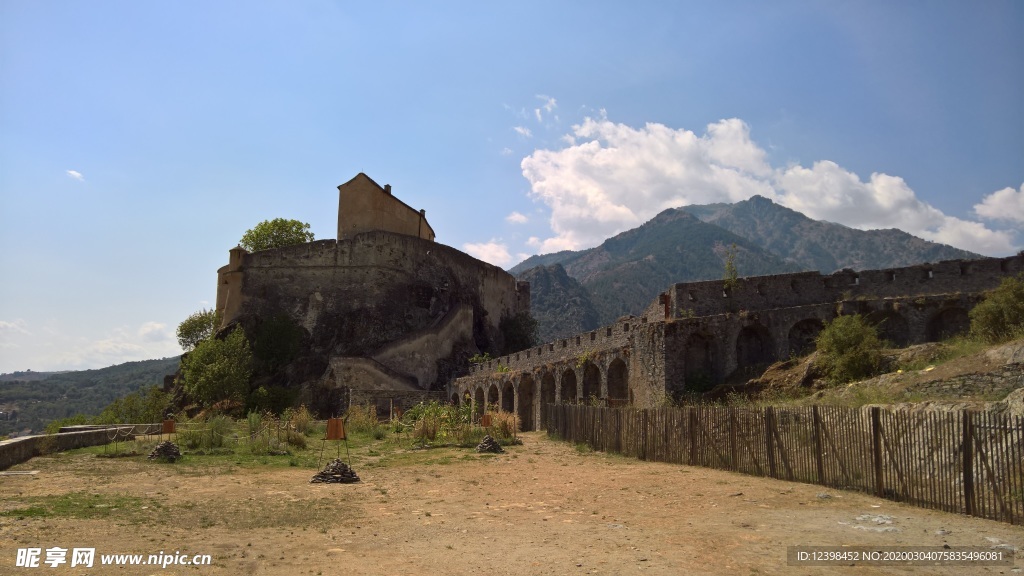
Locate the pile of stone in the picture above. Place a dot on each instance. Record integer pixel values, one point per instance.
(489, 444)
(336, 472)
(165, 451)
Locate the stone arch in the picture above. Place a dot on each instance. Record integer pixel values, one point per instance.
(948, 322)
(698, 362)
(803, 335)
(547, 396)
(569, 388)
(493, 396)
(508, 397)
(754, 347)
(591, 381)
(618, 380)
(455, 398)
(891, 326)
(526, 403)
(478, 399)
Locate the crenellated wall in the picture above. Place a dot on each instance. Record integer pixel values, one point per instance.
(697, 334)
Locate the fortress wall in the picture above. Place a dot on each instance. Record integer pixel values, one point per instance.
(803, 288)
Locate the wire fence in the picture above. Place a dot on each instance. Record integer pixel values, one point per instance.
(963, 462)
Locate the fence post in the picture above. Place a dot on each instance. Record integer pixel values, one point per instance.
(769, 439)
(819, 456)
(876, 449)
(732, 439)
(968, 427)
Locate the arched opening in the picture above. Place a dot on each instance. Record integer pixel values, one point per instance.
(754, 347)
(492, 397)
(478, 400)
(802, 336)
(569, 387)
(508, 398)
(591, 382)
(547, 396)
(618, 380)
(891, 326)
(947, 323)
(455, 398)
(698, 363)
(526, 408)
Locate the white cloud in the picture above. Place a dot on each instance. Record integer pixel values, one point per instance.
(506, 151)
(1005, 204)
(76, 175)
(612, 177)
(154, 332)
(517, 218)
(17, 327)
(523, 131)
(493, 252)
(548, 106)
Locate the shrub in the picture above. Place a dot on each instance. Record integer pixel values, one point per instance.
(218, 369)
(504, 425)
(849, 349)
(361, 419)
(1000, 316)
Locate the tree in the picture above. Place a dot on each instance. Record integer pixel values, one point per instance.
(275, 233)
(849, 349)
(196, 328)
(731, 274)
(1000, 317)
(218, 369)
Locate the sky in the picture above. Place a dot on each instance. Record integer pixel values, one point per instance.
(140, 140)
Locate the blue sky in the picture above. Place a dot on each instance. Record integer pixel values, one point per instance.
(140, 140)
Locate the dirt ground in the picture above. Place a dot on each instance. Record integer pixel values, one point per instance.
(541, 508)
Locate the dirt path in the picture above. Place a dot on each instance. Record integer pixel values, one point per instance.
(541, 508)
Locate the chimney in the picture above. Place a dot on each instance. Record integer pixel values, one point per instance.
(387, 189)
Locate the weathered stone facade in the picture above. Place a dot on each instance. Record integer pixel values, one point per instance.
(697, 334)
(386, 310)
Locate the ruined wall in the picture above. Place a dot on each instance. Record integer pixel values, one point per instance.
(365, 206)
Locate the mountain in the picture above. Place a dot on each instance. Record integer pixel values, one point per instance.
(566, 303)
(28, 404)
(626, 272)
(818, 245)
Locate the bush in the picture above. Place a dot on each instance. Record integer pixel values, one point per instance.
(218, 369)
(1000, 317)
(361, 419)
(849, 349)
(504, 426)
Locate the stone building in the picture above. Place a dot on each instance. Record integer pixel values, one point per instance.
(696, 334)
(382, 314)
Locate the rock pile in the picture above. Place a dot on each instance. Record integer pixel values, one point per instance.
(165, 451)
(489, 444)
(336, 471)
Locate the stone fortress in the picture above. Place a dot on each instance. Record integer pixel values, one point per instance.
(388, 316)
(384, 312)
(695, 335)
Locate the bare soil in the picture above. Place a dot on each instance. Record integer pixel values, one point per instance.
(541, 508)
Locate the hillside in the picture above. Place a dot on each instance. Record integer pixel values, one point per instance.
(626, 272)
(818, 245)
(26, 406)
(566, 303)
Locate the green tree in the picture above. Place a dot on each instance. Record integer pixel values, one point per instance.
(218, 369)
(148, 405)
(849, 349)
(275, 233)
(1000, 316)
(196, 328)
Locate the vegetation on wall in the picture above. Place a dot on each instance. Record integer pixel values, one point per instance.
(1000, 317)
(276, 233)
(849, 349)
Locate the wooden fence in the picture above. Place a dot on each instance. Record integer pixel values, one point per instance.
(963, 462)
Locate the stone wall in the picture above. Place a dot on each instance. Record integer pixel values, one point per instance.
(22, 449)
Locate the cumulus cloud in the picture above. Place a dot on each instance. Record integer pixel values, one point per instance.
(494, 252)
(611, 177)
(523, 131)
(1005, 204)
(517, 218)
(76, 175)
(154, 332)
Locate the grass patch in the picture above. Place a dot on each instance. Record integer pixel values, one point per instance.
(83, 505)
